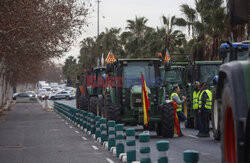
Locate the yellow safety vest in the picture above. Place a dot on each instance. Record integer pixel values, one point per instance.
(195, 100)
(179, 106)
(208, 104)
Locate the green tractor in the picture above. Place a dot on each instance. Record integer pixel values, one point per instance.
(95, 89)
(123, 99)
(82, 96)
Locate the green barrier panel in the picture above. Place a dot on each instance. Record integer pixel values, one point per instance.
(191, 156)
(103, 128)
(97, 127)
(131, 145)
(144, 139)
(162, 147)
(111, 134)
(119, 139)
(84, 123)
(92, 123)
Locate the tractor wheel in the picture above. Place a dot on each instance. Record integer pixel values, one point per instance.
(83, 103)
(107, 103)
(167, 125)
(114, 113)
(228, 135)
(93, 104)
(215, 115)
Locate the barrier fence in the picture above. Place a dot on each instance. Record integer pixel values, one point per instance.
(123, 145)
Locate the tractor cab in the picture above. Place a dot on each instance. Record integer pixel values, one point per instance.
(123, 98)
(174, 76)
(205, 71)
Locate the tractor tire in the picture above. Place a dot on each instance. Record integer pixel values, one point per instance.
(114, 113)
(228, 135)
(83, 103)
(93, 104)
(107, 103)
(167, 125)
(215, 115)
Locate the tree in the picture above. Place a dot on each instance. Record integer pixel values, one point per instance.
(207, 23)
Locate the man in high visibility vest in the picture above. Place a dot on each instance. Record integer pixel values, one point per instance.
(175, 97)
(196, 103)
(205, 106)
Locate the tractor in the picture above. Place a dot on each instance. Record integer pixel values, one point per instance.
(123, 97)
(233, 90)
(95, 89)
(233, 103)
(81, 91)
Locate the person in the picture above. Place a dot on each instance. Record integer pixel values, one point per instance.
(205, 106)
(175, 97)
(196, 104)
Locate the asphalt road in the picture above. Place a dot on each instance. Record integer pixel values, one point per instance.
(30, 135)
(208, 148)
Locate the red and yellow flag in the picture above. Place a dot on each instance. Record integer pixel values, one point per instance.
(145, 101)
(110, 58)
(167, 56)
(177, 129)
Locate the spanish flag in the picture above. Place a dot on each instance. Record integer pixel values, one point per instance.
(177, 129)
(145, 101)
(167, 56)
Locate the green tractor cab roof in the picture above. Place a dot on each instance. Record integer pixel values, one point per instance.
(208, 62)
(138, 59)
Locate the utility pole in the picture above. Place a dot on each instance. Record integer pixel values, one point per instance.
(98, 2)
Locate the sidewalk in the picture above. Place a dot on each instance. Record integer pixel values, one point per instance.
(29, 134)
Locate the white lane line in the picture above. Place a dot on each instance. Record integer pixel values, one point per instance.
(95, 148)
(66, 123)
(77, 132)
(109, 160)
(62, 120)
(70, 127)
(192, 136)
(84, 138)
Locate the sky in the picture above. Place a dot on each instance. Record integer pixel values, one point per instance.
(115, 13)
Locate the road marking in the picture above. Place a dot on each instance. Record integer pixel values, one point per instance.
(205, 153)
(66, 123)
(77, 132)
(192, 136)
(70, 127)
(62, 120)
(109, 160)
(95, 148)
(84, 138)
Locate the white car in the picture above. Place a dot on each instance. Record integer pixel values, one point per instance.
(61, 95)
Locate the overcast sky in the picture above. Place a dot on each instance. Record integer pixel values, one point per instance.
(114, 13)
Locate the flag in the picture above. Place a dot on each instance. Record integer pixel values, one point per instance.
(110, 58)
(145, 101)
(167, 56)
(177, 129)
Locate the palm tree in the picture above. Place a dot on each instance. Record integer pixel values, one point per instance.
(137, 26)
(207, 23)
(172, 37)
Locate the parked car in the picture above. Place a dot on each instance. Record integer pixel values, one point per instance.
(31, 93)
(61, 95)
(25, 97)
(15, 95)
